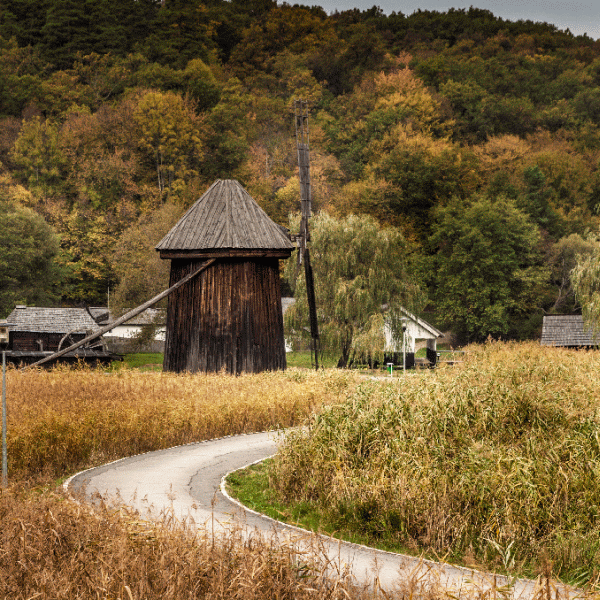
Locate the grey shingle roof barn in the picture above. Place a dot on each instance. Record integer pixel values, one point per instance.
(225, 218)
(568, 331)
(51, 320)
(37, 332)
(228, 316)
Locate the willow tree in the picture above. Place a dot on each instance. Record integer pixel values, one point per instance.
(362, 279)
(585, 279)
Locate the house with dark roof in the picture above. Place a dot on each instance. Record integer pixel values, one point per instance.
(37, 332)
(568, 331)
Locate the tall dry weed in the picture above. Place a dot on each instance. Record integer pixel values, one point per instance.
(66, 419)
(54, 549)
(497, 459)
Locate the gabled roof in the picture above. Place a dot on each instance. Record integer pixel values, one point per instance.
(51, 320)
(424, 325)
(567, 331)
(225, 217)
(150, 316)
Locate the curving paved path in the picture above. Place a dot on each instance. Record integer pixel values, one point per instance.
(186, 483)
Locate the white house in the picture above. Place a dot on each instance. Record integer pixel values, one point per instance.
(121, 338)
(418, 334)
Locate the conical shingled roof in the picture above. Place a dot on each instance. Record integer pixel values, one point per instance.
(225, 217)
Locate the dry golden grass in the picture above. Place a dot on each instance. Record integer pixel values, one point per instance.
(63, 420)
(57, 550)
(495, 462)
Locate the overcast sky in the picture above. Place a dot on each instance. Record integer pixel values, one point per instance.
(580, 16)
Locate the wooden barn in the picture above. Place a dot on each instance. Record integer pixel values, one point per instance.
(229, 316)
(568, 331)
(37, 332)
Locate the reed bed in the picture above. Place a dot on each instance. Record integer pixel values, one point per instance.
(65, 419)
(494, 462)
(57, 550)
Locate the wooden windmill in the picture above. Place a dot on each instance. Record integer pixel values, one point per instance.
(302, 139)
(224, 310)
(229, 317)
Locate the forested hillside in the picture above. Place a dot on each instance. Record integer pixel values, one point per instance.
(479, 138)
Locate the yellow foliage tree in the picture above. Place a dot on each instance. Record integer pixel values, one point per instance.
(171, 133)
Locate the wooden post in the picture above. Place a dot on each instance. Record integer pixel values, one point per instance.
(301, 114)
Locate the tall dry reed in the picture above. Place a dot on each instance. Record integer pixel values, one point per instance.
(53, 549)
(495, 461)
(67, 419)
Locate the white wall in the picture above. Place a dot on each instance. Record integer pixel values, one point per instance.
(128, 331)
(414, 332)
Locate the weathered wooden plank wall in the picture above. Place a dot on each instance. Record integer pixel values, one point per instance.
(228, 318)
(27, 341)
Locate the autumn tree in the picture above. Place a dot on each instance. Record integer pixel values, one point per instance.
(296, 29)
(488, 269)
(38, 156)
(170, 132)
(140, 272)
(104, 165)
(366, 124)
(363, 277)
(87, 246)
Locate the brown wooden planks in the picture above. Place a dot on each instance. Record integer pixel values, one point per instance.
(228, 318)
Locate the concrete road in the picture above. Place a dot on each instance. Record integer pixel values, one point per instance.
(185, 483)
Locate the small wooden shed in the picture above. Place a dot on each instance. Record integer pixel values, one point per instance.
(416, 330)
(37, 332)
(229, 316)
(568, 331)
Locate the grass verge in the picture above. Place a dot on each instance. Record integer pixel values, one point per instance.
(251, 487)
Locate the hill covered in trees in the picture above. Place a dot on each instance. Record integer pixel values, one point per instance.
(477, 137)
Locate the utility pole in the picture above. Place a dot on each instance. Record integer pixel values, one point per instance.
(4, 343)
(302, 139)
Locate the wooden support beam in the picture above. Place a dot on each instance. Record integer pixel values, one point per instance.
(126, 317)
